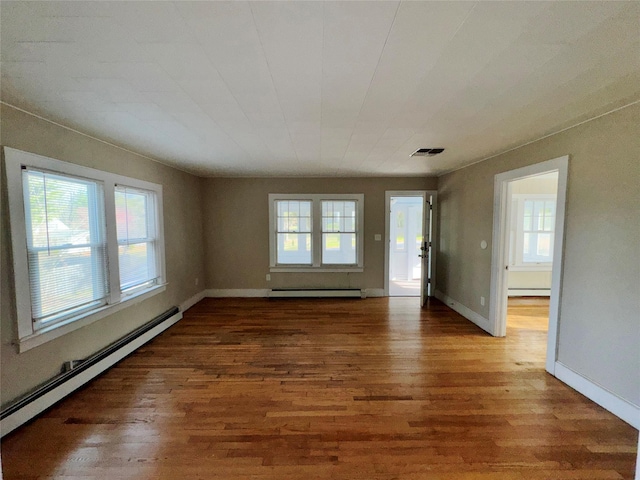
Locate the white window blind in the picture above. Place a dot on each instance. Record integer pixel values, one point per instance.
(136, 229)
(66, 245)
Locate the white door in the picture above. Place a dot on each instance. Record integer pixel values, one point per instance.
(425, 255)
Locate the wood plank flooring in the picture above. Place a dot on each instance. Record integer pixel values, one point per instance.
(374, 389)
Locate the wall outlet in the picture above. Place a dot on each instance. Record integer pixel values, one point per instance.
(268, 277)
(377, 237)
(482, 301)
(197, 281)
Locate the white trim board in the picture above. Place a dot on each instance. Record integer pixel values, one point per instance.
(13, 421)
(190, 302)
(621, 408)
(466, 312)
(532, 292)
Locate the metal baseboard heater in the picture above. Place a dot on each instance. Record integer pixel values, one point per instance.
(79, 372)
(316, 293)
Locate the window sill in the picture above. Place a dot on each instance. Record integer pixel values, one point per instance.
(49, 333)
(315, 269)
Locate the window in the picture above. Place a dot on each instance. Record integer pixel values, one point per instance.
(135, 224)
(72, 265)
(316, 232)
(535, 222)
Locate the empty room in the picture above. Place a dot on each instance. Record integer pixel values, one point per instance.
(320, 240)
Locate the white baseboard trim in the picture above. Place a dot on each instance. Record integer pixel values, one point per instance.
(374, 292)
(621, 408)
(521, 292)
(190, 302)
(321, 293)
(29, 411)
(237, 292)
(466, 312)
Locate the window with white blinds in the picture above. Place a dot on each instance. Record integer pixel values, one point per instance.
(66, 245)
(135, 223)
(84, 242)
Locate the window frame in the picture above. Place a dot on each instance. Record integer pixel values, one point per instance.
(28, 336)
(316, 233)
(516, 261)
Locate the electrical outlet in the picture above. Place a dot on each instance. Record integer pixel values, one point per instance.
(268, 277)
(482, 301)
(197, 281)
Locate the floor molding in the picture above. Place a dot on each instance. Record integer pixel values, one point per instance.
(190, 302)
(621, 408)
(466, 312)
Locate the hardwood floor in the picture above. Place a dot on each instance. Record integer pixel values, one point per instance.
(326, 389)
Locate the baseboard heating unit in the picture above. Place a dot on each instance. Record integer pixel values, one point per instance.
(79, 372)
(316, 293)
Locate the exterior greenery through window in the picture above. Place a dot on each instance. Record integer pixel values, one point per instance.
(84, 241)
(316, 231)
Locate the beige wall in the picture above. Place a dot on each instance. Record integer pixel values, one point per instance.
(183, 244)
(236, 216)
(599, 327)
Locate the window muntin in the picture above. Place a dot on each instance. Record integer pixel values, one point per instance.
(136, 231)
(315, 232)
(66, 245)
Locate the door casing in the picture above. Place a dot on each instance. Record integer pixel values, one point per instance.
(499, 260)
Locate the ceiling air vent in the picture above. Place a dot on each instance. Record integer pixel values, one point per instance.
(427, 152)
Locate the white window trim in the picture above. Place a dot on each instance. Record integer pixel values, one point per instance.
(516, 262)
(316, 233)
(28, 336)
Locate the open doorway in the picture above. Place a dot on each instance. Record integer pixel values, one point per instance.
(531, 223)
(528, 232)
(405, 240)
(409, 264)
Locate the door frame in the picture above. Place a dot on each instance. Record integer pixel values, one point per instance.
(500, 250)
(387, 233)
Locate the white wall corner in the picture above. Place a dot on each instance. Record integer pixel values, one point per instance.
(237, 292)
(620, 407)
(190, 302)
(466, 312)
(373, 292)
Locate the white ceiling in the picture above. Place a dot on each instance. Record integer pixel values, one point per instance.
(319, 88)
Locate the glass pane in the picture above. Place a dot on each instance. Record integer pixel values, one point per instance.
(527, 223)
(543, 247)
(294, 248)
(137, 264)
(293, 216)
(526, 244)
(528, 208)
(131, 214)
(339, 248)
(58, 210)
(548, 223)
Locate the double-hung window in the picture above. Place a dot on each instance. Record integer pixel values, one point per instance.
(84, 242)
(535, 217)
(316, 232)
